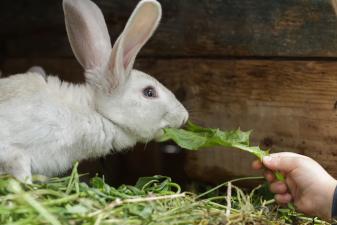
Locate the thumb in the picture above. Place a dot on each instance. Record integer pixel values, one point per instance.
(282, 162)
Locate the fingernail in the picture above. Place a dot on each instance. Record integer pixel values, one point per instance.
(267, 159)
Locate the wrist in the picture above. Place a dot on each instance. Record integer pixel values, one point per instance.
(330, 199)
(334, 204)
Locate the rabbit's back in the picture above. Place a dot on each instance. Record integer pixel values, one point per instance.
(52, 122)
(20, 85)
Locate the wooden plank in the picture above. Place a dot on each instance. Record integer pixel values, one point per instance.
(202, 28)
(291, 105)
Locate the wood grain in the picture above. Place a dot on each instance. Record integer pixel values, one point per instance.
(208, 29)
(290, 105)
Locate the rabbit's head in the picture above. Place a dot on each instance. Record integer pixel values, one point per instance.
(132, 100)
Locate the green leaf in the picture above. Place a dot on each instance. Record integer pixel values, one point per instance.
(143, 211)
(156, 184)
(97, 182)
(143, 181)
(255, 150)
(195, 137)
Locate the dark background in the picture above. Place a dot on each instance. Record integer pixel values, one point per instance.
(267, 65)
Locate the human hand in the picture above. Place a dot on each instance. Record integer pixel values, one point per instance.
(306, 183)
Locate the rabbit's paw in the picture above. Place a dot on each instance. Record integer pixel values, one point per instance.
(13, 162)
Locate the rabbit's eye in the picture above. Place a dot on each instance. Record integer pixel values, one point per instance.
(150, 92)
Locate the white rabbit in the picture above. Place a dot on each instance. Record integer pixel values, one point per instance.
(46, 124)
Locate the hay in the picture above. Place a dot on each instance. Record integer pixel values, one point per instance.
(153, 200)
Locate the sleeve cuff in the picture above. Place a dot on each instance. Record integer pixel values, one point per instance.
(334, 205)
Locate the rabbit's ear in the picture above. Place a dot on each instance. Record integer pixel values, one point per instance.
(87, 33)
(37, 69)
(139, 28)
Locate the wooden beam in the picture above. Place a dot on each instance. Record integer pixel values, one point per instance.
(208, 29)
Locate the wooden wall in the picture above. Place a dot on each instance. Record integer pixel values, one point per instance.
(267, 65)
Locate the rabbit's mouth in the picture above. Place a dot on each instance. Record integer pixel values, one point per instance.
(159, 135)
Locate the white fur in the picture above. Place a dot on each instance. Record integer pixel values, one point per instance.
(46, 124)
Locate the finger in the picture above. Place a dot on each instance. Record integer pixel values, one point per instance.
(270, 177)
(257, 164)
(283, 198)
(278, 187)
(292, 185)
(286, 162)
(287, 154)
